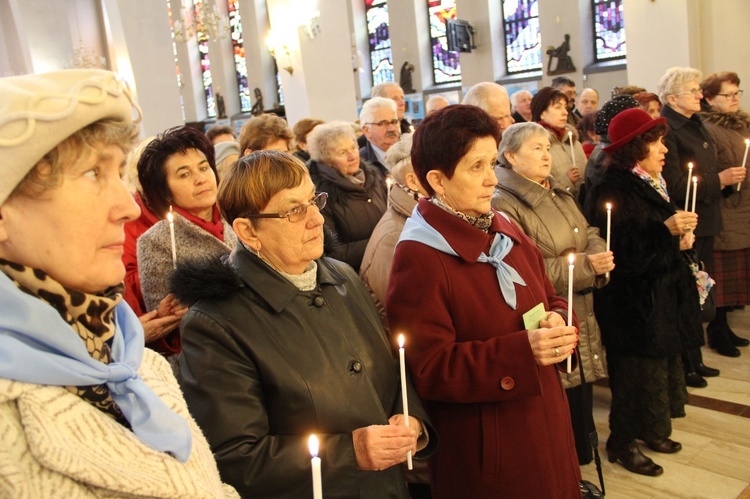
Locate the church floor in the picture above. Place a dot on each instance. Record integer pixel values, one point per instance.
(715, 459)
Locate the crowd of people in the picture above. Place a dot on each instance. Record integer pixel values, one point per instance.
(204, 302)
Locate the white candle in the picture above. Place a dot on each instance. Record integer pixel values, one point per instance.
(687, 188)
(609, 227)
(744, 161)
(170, 217)
(571, 259)
(404, 398)
(388, 184)
(572, 151)
(315, 462)
(695, 190)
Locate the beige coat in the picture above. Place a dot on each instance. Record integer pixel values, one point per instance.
(375, 270)
(562, 161)
(729, 131)
(54, 444)
(551, 218)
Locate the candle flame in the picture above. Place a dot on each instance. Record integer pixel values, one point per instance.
(570, 134)
(313, 445)
(747, 142)
(411, 128)
(609, 206)
(401, 341)
(695, 180)
(571, 258)
(170, 217)
(389, 181)
(690, 165)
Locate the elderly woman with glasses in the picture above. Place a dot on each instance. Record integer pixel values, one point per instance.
(729, 128)
(281, 343)
(357, 195)
(485, 329)
(85, 409)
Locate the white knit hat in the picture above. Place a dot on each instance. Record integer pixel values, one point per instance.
(39, 111)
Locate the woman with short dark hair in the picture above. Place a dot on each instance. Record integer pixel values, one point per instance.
(463, 277)
(649, 313)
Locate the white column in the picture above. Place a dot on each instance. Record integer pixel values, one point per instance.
(259, 62)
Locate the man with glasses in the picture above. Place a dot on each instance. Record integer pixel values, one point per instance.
(492, 99)
(380, 126)
(568, 87)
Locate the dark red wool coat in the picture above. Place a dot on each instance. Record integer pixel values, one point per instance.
(503, 420)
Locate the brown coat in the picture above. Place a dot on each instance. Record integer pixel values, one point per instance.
(562, 161)
(376, 264)
(729, 131)
(551, 218)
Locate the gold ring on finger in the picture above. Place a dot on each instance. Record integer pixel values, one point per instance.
(557, 352)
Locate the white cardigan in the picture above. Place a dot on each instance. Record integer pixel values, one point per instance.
(54, 444)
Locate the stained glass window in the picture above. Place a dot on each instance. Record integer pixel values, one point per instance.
(446, 66)
(238, 48)
(609, 30)
(523, 47)
(381, 60)
(176, 60)
(205, 61)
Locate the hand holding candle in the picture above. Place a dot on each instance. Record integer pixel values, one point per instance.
(571, 259)
(170, 217)
(687, 188)
(317, 480)
(404, 398)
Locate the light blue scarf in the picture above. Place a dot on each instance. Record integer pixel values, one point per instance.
(417, 229)
(38, 346)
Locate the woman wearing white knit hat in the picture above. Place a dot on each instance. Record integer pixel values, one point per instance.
(84, 409)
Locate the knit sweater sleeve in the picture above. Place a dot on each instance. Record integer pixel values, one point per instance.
(155, 264)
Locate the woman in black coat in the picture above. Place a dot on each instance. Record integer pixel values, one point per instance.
(357, 195)
(649, 312)
(281, 342)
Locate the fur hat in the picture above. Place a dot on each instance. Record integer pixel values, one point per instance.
(39, 111)
(627, 125)
(610, 109)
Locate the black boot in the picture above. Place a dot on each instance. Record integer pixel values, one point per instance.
(695, 380)
(705, 371)
(631, 457)
(719, 340)
(737, 341)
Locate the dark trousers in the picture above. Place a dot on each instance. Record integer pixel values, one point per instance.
(581, 403)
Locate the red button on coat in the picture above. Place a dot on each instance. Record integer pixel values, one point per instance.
(507, 383)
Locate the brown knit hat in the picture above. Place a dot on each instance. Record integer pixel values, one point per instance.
(39, 111)
(542, 100)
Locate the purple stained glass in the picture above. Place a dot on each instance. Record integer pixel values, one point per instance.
(446, 66)
(238, 54)
(523, 49)
(205, 61)
(609, 30)
(379, 39)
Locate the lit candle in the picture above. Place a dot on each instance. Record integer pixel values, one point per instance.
(695, 189)
(609, 227)
(572, 151)
(170, 217)
(403, 390)
(744, 161)
(315, 462)
(411, 128)
(571, 259)
(687, 189)
(388, 184)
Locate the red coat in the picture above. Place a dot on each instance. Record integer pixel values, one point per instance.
(503, 420)
(134, 230)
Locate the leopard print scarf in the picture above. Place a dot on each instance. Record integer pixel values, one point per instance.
(91, 316)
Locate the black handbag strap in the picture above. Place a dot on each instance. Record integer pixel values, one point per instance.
(594, 435)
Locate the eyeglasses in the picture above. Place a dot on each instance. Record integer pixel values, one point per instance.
(298, 213)
(733, 95)
(385, 122)
(696, 92)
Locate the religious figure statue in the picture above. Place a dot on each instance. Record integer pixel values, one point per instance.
(405, 78)
(258, 106)
(564, 62)
(221, 110)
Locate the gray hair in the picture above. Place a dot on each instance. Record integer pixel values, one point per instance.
(381, 89)
(675, 79)
(516, 95)
(322, 137)
(515, 136)
(479, 94)
(398, 158)
(368, 109)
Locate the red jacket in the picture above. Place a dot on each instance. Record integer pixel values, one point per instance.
(503, 420)
(134, 230)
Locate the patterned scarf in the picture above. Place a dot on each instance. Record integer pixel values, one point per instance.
(483, 222)
(657, 183)
(91, 316)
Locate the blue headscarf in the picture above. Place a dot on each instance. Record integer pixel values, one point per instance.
(417, 229)
(38, 346)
